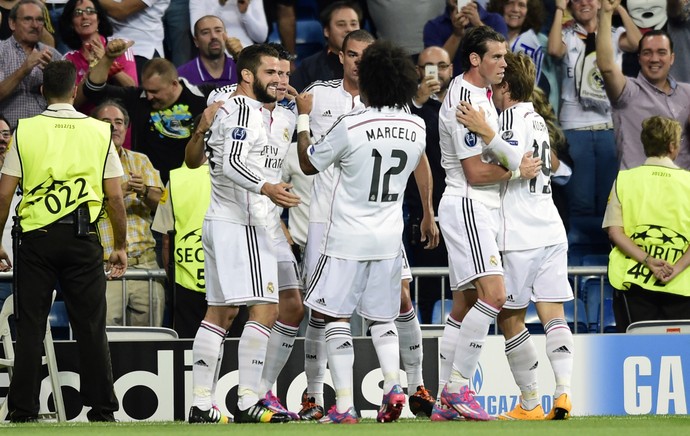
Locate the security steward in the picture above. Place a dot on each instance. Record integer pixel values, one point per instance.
(67, 167)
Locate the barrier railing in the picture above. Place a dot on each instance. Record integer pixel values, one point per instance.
(577, 273)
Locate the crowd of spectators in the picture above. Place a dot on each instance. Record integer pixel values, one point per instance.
(179, 50)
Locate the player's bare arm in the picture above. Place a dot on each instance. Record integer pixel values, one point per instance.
(425, 186)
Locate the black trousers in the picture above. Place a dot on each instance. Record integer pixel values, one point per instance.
(638, 304)
(47, 256)
(190, 310)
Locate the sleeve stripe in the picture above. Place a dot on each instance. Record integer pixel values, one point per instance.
(239, 166)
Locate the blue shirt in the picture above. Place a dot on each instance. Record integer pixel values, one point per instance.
(438, 30)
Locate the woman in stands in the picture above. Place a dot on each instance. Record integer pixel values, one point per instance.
(84, 27)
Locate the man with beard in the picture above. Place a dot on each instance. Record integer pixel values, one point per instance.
(240, 264)
(212, 65)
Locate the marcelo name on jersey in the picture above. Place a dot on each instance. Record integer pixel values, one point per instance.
(391, 133)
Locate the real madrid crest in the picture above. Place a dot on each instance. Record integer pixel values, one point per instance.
(286, 135)
(270, 287)
(493, 260)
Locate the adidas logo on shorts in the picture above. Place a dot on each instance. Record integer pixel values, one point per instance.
(327, 113)
(321, 301)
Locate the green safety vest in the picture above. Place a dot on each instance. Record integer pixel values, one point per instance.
(189, 192)
(63, 162)
(656, 216)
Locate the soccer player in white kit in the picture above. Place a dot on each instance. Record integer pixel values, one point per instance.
(240, 263)
(468, 214)
(533, 243)
(373, 151)
(331, 99)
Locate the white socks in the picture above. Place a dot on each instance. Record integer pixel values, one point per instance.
(206, 352)
(384, 336)
(523, 361)
(559, 349)
(279, 349)
(411, 352)
(341, 358)
(251, 356)
(315, 358)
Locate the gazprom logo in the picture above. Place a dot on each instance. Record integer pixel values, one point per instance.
(470, 139)
(477, 380)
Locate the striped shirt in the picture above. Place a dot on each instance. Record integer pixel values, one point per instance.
(139, 219)
(26, 100)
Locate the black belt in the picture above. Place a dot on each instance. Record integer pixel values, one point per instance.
(67, 219)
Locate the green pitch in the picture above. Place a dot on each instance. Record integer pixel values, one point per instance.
(585, 426)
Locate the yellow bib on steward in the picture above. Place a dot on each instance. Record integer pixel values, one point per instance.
(656, 216)
(63, 162)
(190, 195)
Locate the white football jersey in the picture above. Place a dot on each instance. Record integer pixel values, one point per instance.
(330, 102)
(279, 125)
(373, 153)
(529, 218)
(234, 147)
(458, 143)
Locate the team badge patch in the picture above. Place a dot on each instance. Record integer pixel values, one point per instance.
(470, 139)
(270, 287)
(493, 261)
(311, 149)
(507, 135)
(286, 135)
(239, 133)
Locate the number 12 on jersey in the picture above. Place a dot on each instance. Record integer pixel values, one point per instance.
(376, 181)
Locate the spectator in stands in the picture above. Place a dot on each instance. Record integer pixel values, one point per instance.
(5, 32)
(678, 28)
(140, 21)
(178, 39)
(426, 104)
(585, 113)
(162, 109)
(338, 19)
(650, 231)
(142, 188)
(85, 26)
(243, 19)
(212, 65)
(388, 16)
(652, 92)
(447, 30)
(524, 19)
(284, 14)
(22, 58)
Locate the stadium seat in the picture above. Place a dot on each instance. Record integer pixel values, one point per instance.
(609, 318)
(591, 291)
(441, 311)
(309, 38)
(532, 321)
(307, 10)
(569, 309)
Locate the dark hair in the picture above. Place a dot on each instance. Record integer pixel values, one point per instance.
(250, 57)
(520, 75)
(327, 13)
(59, 78)
(111, 103)
(160, 66)
(283, 54)
(69, 36)
(196, 25)
(387, 76)
(654, 32)
(360, 35)
(475, 41)
(535, 13)
(2, 118)
(15, 9)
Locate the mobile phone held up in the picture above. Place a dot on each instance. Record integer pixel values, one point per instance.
(431, 70)
(462, 4)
